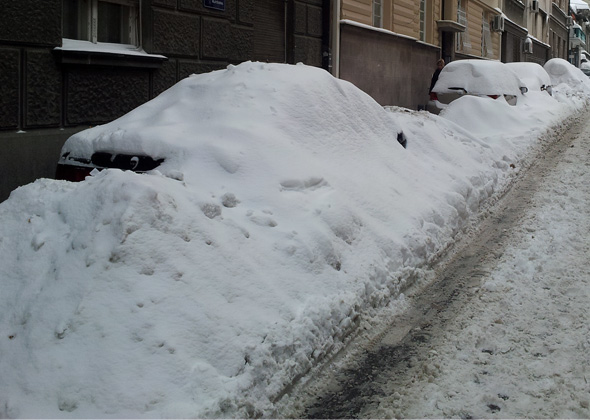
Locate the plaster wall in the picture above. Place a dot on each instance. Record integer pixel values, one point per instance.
(394, 70)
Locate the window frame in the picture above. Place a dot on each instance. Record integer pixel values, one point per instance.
(88, 19)
(487, 44)
(462, 40)
(377, 17)
(422, 20)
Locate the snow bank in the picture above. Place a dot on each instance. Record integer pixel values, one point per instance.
(286, 213)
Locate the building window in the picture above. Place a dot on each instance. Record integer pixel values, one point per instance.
(462, 38)
(378, 13)
(423, 20)
(487, 48)
(113, 21)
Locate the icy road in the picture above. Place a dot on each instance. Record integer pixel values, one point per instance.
(505, 330)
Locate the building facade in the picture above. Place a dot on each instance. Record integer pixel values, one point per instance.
(579, 32)
(389, 48)
(559, 29)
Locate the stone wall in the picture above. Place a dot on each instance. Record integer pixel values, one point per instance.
(39, 89)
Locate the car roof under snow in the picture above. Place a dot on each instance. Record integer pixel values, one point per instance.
(562, 71)
(532, 74)
(480, 77)
(248, 106)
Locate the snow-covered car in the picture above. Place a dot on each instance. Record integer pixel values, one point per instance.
(475, 77)
(178, 123)
(533, 75)
(563, 72)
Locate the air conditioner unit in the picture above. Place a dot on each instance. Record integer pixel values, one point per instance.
(535, 6)
(498, 23)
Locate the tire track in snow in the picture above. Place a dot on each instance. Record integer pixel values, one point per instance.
(397, 373)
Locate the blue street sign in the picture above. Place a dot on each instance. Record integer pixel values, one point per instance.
(214, 4)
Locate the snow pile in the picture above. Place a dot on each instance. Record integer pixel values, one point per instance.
(285, 215)
(574, 81)
(225, 120)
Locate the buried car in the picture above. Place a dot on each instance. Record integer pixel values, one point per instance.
(563, 72)
(533, 75)
(217, 113)
(475, 77)
(76, 167)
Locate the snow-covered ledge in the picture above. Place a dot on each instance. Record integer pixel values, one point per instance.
(75, 51)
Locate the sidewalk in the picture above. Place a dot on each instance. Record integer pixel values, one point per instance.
(522, 347)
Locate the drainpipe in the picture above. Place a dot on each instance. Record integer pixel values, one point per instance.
(140, 26)
(286, 33)
(336, 38)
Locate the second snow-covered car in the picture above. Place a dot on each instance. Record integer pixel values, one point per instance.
(475, 77)
(533, 75)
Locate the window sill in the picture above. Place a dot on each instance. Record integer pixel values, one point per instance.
(450, 26)
(105, 54)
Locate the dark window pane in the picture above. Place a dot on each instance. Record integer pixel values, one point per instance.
(70, 19)
(109, 22)
(75, 19)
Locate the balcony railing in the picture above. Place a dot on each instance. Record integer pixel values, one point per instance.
(577, 36)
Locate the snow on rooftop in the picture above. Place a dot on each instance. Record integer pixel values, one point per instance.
(578, 5)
